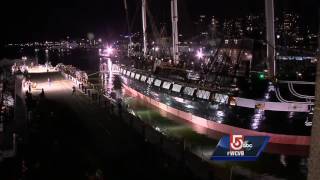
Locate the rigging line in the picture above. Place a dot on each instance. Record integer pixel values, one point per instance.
(297, 82)
(135, 15)
(93, 73)
(290, 85)
(297, 95)
(292, 92)
(290, 89)
(281, 99)
(155, 31)
(238, 59)
(214, 58)
(220, 68)
(127, 16)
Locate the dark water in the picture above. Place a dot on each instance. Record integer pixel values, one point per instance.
(84, 59)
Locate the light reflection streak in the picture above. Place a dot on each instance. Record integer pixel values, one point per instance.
(257, 118)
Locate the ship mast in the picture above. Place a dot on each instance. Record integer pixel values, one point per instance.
(144, 26)
(129, 31)
(175, 40)
(271, 44)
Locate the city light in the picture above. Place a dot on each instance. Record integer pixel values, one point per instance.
(109, 50)
(262, 76)
(106, 52)
(200, 54)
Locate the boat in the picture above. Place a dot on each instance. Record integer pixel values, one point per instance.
(237, 92)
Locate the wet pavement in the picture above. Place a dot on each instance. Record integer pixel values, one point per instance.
(72, 137)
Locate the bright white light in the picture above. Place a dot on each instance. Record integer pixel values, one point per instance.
(256, 119)
(283, 160)
(189, 106)
(308, 123)
(291, 114)
(156, 49)
(109, 65)
(109, 50)
(199, 54)
(155, 94)
(220, 113)
(180, 100)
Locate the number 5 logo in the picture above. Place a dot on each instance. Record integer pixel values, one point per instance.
(236, 142)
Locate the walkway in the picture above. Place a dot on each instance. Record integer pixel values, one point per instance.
(74, 137)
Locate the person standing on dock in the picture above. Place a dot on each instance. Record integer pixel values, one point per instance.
(111, 107)
(73, 90)
(42, 93)
(49, 81)
(119, 103)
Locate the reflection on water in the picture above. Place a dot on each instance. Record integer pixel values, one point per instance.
(257, 119)
(282, 164)
(106, 79)
(219, 116)
(290, 115)
(84, 59)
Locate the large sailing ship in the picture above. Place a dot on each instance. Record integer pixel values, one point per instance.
(234, 84)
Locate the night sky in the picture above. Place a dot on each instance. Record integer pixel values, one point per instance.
(54, 20)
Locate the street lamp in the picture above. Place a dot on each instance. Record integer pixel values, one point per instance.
(109, 50)
(200, 53)
(106, 52)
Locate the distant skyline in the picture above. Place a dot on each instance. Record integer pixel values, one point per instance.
(53, 20)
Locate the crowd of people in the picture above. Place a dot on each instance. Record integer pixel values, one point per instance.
(73, 71)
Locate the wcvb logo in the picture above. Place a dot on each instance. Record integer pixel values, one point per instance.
(236, 147)
(236, 142)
